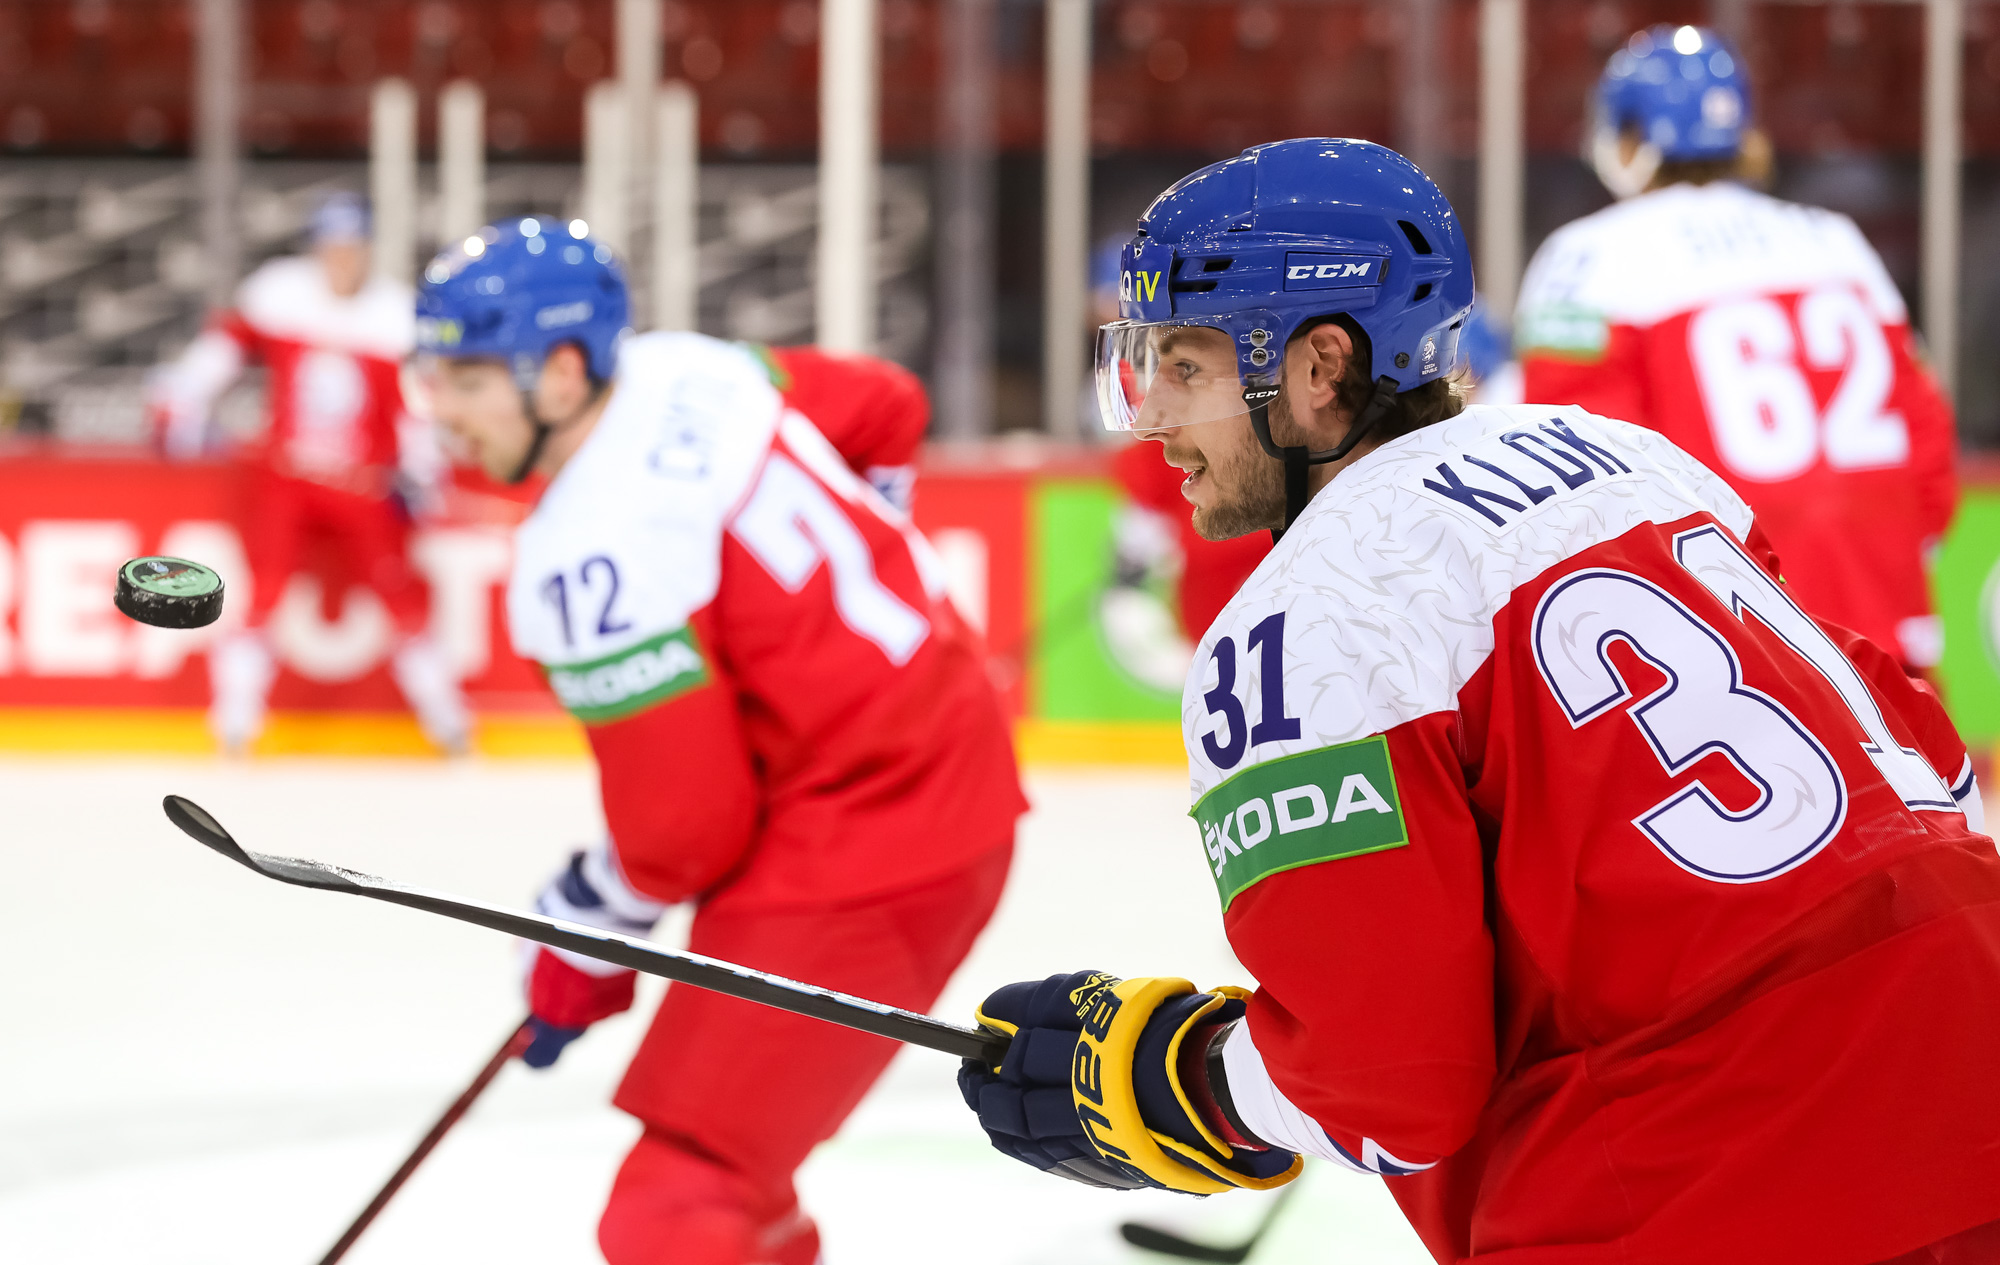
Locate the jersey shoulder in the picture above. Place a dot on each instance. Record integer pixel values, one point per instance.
(1677, 249)
(873, 411)
(640, 508)
(1390, 582)
(288, 299)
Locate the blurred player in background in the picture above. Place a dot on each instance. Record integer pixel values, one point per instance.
(1763, 337)
(341, 458)
(791, 723)
(1486, 356)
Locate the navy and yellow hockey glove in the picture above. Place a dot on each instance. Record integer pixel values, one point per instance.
(1093, 1086)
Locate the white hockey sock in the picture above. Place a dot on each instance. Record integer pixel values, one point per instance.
(240, 672)
(431, 688)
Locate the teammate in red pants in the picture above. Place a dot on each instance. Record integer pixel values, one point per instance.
(341, 460)
(792, 726)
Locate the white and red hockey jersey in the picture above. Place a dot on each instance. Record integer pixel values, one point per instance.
(1599, 898)
(334, 395)
(1766, 339)
(777, 690)
(873, 411)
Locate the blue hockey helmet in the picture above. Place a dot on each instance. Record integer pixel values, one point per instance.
(1256, 246)
(341, 216)
(1683, 89)
(516, 290)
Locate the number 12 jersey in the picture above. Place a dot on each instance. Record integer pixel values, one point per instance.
(778, 692)
(1765, 339)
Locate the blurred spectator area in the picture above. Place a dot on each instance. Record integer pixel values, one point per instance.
(1177, 83)
(101, 271)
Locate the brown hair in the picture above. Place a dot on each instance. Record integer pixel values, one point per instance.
(1753, 164)
(1413, 410)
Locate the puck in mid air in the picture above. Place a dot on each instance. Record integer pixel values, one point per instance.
(169, 592)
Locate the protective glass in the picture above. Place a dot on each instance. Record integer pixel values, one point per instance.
(418, 376)
(1157, 374)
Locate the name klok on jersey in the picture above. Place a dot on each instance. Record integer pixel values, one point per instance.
(1504, 476)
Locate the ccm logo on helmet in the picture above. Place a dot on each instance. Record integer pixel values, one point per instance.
(1324, 272)
(563, 314)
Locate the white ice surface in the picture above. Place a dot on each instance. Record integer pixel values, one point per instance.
(200, 1067)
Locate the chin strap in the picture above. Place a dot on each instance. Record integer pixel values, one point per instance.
(1298, 460)
(543, 430)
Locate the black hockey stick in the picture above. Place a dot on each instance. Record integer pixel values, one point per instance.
(517, 1041)
(1155, 1240)
(608, 946)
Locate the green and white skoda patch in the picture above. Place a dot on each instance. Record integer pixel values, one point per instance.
(632, 680)
(1563, 329)
(1300, 810)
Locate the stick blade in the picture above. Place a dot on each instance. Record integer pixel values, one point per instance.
(200, 825)
(196, 823)
(1148, 1239)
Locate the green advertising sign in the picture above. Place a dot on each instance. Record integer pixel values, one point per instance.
(1966, 582)
(1100, 654)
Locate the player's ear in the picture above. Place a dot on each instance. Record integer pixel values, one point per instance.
(564, 363)
(565, 377)
(1326, 350)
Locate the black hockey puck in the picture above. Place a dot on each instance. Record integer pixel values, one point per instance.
(169, 592)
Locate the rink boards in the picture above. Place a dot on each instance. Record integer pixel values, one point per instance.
(1024, 537)
(1024, 533)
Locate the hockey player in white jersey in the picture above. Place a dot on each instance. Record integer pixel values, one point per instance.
(1763, 337)
(1601, 901)
(343, 460)
(793, 727)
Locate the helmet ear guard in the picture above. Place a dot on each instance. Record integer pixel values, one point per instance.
(1298, 460)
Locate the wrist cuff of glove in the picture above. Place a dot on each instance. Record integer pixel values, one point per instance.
(1199, 1070)
(564, 997)
(592, 890)
(1107, 1098)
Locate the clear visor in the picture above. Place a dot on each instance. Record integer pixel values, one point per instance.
(1153, 375)
(418, 375)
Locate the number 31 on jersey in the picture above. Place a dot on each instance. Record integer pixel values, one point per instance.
(1705, 708)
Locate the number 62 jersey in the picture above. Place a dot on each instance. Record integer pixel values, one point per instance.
(778, 693)
(1767, 340)
(1601, 899)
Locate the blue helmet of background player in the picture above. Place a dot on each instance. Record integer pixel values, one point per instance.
(517, 290)
(1260, 244)
(1683, 91)
(1484, 346)
(340, 217)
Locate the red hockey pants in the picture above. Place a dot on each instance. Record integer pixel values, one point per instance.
(370, 530)
(734, 1095)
